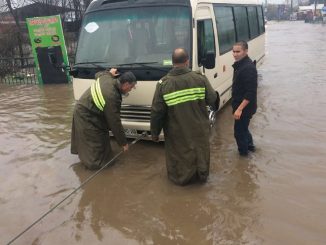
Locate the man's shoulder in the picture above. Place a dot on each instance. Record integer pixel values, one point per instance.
(249, 63)
(251, 67)
(109, 87)
(103, 74)
(163, 80)
(198, 74)
(246, 67)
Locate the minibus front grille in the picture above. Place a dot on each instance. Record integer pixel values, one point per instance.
(135, 113)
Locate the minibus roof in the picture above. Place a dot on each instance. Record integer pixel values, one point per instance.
(97, 5)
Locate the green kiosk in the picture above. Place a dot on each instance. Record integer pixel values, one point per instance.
(49, 49)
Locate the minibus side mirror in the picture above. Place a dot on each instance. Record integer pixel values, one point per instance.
(209, 60)
(73, 72)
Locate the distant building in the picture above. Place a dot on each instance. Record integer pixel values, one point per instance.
(278, 12)
(311, 7)
(311, 12)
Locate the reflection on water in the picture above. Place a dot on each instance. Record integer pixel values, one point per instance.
(35, 118)
(34, 138)
(275, 196)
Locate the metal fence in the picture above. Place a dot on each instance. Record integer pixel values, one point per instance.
(20, 70)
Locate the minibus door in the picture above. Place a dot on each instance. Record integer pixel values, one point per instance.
(206, 48)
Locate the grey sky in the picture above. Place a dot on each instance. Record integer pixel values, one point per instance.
(280, 1)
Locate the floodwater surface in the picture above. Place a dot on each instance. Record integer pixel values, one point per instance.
(277, 195)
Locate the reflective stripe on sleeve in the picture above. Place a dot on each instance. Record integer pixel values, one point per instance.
(185, 95)
(97, 95)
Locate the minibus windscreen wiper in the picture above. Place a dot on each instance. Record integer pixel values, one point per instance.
(144, 64)
(93, 63)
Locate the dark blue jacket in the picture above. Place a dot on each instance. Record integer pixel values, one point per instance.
(244, 85)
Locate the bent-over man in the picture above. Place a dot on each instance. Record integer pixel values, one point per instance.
(97, 112)
(179, 107)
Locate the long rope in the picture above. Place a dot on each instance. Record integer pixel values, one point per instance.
(75, 190)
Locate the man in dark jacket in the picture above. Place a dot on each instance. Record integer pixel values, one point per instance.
(97, 112)
(179, 107)
(244, 96)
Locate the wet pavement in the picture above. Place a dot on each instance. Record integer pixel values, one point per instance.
(275, 196)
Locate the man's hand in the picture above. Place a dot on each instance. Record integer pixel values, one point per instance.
(125, 147)
(114, 72)
(155, 138)
(237, 114)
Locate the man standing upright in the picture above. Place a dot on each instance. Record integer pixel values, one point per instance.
(97, 112)
(244, 96)
(179, 107)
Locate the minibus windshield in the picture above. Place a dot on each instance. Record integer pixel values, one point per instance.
(134, 35)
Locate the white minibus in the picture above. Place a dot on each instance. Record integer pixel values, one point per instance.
(140, 35)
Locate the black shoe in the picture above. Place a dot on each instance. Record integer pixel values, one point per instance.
(251, 148)
(243, 153)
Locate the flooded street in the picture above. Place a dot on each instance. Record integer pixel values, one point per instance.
(275, 196)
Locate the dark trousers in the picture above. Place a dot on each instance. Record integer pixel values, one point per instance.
(242, 134)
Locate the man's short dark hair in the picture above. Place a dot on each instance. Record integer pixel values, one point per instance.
(179, 56)
(128, 77)
(243, 44)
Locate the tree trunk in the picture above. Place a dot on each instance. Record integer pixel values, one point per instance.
(19, 30)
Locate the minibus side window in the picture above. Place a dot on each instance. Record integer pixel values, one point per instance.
(261, 19)
(241, 23)
(253, 22)
(225, 28)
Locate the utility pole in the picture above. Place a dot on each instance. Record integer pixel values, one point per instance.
(265, 9)
(267, 3)
(315, 12)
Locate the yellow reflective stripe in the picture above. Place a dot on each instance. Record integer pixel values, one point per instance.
(184, 95)
(95, 99)
(185, 99)
(183, 92)
(99, 92)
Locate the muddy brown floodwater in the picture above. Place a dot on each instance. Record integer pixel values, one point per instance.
(275, 196)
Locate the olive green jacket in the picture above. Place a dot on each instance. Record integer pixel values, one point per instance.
(90, 129)
(179, 107)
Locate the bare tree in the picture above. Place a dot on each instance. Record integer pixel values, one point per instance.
(19, 29)
(14, 38)
(77, 6)
(78, 9)
(87, 2)
(3, 6)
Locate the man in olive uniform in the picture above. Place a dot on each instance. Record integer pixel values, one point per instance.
(97, 112)
(179, 107)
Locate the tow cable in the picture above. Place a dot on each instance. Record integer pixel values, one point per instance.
(76, 189)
